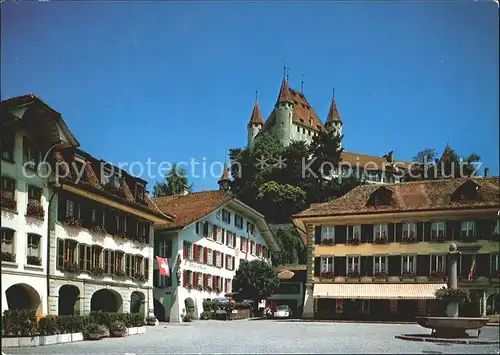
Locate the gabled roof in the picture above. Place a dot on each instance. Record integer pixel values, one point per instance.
(410, 196)
(256, 117)
(190, 208)
(91, 181)
(38, 118)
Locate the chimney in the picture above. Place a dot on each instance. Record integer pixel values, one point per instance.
(486, 172)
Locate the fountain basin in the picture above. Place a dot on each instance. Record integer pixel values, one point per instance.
(451, 327)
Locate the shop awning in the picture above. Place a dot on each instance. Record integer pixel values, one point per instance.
(377, 291)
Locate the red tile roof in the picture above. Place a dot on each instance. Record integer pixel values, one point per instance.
(410, 196)
(333, 113)
(284, 94)
(302, 114)
(256, 115)
(191, 207)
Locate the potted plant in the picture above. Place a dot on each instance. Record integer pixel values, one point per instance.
(72, 221)
(97, 270)
(353, 274)
(217, 290)
(34, 260)
(71, 267)
(8, 202)
(409, 239)
(9, 257)
(408, 274)
(353, 241)
(35, 210)
(328, 241)
(138, 276)
(328, 274)
(208, 288)
(187, 318)
(437, 274)
(118, 329)
(189, 286)
(119, 273)
(93, 332)
(199, 288)
(380, 240)
(380, 274)
(97, 228)
(461, 295)
(122, 236)
(151, 320)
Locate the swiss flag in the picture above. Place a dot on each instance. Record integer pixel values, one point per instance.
(163, 265)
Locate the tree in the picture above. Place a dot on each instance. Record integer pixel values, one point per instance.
(278, 202)
(425, 156)
(292, 250)
(176, 183)
(255, 280)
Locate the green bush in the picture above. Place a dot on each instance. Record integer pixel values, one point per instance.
(93, 328)
(48, 326)
(206, 315)
(19, 323)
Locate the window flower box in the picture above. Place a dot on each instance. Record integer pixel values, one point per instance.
(438, 238)
(140, 239)
(119, 273)
(353, 241)
(380, 240)
(139, 276)
(8, 202)
(208, 288)
(408, 274)
(97, 270)
(74, 222)
(353, 274)
(199, 288)
(71, 267)
(409, 240)
(121, 235)
(189, 287)
(34, 260)
(9, 257)
(217, 290)
(327, 241)
(326, 274)
(380, 274)
(35, 210)
(97, 228)
(438, 275)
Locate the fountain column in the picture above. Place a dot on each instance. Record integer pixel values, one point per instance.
(452, 307)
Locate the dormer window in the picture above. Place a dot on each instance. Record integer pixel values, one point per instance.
(468, 191)
(139, 192)
(380, 197)
(310, 122)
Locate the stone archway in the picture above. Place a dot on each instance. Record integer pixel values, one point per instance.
(106, 300)
(159, 310)
(137, 301)
(23, 296)
(69, 300)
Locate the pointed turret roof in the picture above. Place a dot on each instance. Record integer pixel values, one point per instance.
(447, 154)
(256, 117)
(225, 174)
(284, 95)
(333, 112)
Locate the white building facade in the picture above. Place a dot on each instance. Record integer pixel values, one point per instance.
(204, 254)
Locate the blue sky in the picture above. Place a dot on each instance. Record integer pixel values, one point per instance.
(175, 81)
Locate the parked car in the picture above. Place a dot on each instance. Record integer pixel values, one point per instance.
(282, 311)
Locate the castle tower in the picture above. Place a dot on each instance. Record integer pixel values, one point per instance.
(284, 111)
(225, 182)
(255, 124)
(333, 121)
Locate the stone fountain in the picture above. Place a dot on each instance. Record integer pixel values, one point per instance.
(452, 326)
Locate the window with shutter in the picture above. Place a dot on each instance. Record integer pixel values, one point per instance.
(205, 253)
(195, 278)
(206, 232)
(232, 263)
(184, 278)
(146, 268)
(60, 253)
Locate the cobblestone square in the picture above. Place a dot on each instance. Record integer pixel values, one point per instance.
(264, 336)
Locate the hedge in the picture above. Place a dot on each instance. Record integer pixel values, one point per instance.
(19, 323)
(212, 306)
(23, 323)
